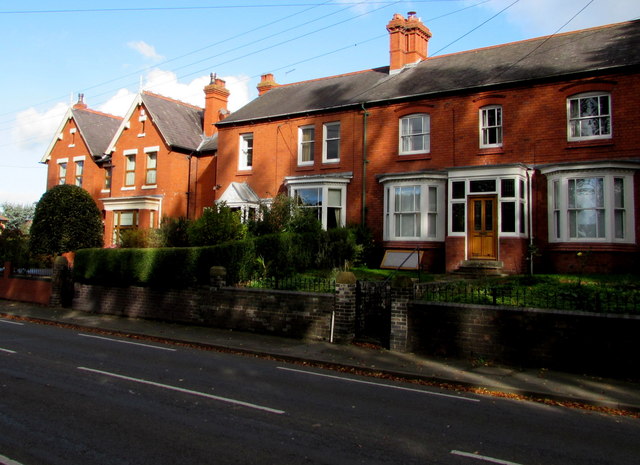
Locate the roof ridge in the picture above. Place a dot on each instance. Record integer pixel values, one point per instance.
(532, 39)
(179, 102)
(101, 113)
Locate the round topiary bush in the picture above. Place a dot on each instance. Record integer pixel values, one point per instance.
(66, 219)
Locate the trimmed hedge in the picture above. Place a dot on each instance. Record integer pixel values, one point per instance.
(274, 255)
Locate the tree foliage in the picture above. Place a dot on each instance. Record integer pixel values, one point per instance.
(19, 216)
(66, 219)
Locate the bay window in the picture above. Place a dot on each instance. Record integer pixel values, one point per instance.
(325, 195)
(413, 208)
(591, 206)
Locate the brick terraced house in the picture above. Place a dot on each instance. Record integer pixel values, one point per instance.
(473, 158)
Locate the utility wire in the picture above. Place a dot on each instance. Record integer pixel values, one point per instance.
(543, 42)
(210, 7)
(477, 27)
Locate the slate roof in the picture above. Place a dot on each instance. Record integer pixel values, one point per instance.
(209, 144)
(605, 48)
(179, 123)
(96, 129)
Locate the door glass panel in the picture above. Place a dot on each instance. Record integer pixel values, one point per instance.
(477, 215)
(488, 215)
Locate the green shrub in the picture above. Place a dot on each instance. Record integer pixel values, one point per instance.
(217, 224)
(174, 232)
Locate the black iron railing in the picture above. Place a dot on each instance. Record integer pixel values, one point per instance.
(576, 297)
(295, 283)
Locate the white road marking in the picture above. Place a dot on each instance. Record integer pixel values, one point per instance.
(9, 322)
(126, 342)
(400, 388)
(185, 391)
(484, 458)
(7, 461)
(7, 351)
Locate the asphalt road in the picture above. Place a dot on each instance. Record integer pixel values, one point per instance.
(80, 398)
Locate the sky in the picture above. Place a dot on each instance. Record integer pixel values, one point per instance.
(110, 50)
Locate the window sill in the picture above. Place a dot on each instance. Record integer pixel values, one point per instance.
(105, 191)
(246, 172)
(579, 144)
(141, 134)
(304, 168)
(414, 156)
(150, 186)
(128, 188)
(491, 151)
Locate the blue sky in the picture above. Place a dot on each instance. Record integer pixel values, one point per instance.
(108, 50)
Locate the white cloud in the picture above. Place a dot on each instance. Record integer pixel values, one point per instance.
(119, 103)
(146, 50)
(239, 91)
(540, 17)
(166, 83)
(33, 128)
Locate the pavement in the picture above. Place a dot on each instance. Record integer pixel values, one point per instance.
(611, 396)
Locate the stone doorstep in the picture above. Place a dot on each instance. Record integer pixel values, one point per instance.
(480, 268)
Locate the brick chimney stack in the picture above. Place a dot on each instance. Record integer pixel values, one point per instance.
(408, 41)
(80, 105)
(266, 83)
(216, 98)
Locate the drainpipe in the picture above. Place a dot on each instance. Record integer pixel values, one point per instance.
(365, 116)
(529, 193)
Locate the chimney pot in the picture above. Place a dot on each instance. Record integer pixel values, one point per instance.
(267, 82)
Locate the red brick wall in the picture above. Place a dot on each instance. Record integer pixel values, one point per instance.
(93, 176)
(35, 290)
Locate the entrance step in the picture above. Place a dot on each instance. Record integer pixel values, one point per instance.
(480, 268)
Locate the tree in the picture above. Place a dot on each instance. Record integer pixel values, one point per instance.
(66, 219)
(19, 216)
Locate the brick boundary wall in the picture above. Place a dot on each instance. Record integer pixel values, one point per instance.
(293, 314)
(599, 344)
(24, 289)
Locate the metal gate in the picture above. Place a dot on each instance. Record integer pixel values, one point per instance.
(373, 313)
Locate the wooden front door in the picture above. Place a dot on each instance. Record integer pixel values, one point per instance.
(483, 236)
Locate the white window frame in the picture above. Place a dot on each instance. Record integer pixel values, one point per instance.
(302, 144)
(613, 207)
(599, 117)
(129, 159)
(62, 170)
(486, 128)
(430, 212)
(405, 134)
(79, 172)
(326, 140)
(245, 153)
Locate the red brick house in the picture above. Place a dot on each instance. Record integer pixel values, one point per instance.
(471, 158)
(156, 161)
